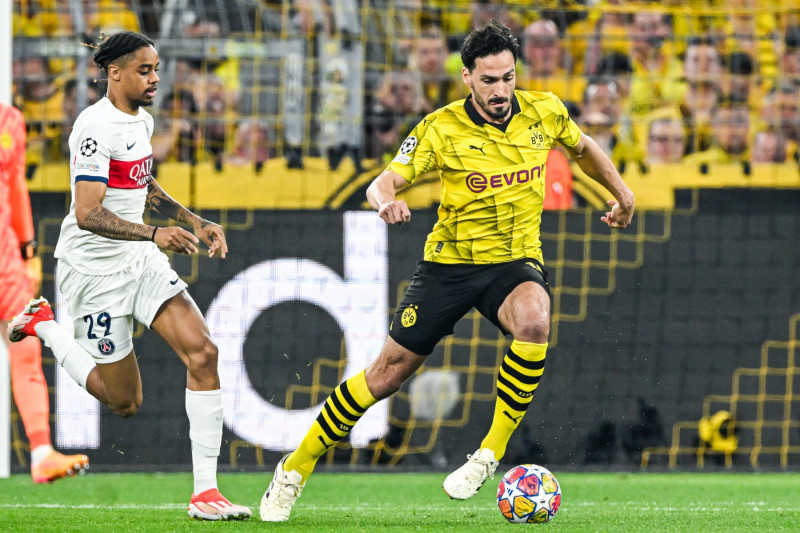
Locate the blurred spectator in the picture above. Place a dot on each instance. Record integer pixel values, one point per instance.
(223, 68)
(428, 57)
(750, 28)
(790, 57)
(666, 141)
(179, 136)
(467, 16)
(603, 95)
(41, 100)
(600, 127)
(617, 67)
(71, 110)
(781, 112)
(109, 17)
(214, 100)
(769, 147)
(94, 91)
(602, 118)
(602, 32)
(703, 72)
(546, 63)
(611, 35)
(657, 73)
(686, 22)
(251, 145)
(400, 104)
(482, 11)
(738, 82)
(43, 18)
(730, 123)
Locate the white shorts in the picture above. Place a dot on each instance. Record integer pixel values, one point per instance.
(103, 307)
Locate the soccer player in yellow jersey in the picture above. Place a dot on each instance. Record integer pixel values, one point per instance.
(484, 252)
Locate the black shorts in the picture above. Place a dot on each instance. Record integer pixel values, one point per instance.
(440, 294)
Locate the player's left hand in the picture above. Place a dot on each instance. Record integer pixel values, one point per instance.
(619, 216)
(213, 235)
(33, 270)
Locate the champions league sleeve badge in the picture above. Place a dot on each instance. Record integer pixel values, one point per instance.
(408, 145)
(88, 147)
(406, 148)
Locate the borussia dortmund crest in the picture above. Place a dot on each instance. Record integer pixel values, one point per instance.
(537, 138)
(409, 317)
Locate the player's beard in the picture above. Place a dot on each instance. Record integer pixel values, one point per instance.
(495, 114)
(143, 102)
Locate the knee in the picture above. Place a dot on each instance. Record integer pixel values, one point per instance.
(533, 328)
(203, 359)
(126, 408)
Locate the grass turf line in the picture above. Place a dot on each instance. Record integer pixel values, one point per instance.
(648, 502)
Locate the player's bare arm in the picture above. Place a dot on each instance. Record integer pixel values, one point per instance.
(92, 216)
(381, 196)
(596, 164)
(209, 232)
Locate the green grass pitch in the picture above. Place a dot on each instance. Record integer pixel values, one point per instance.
(368, 502)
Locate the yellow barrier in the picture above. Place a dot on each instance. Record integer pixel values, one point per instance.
(316, 186)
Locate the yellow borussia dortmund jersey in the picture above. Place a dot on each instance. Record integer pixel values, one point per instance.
(492, 176)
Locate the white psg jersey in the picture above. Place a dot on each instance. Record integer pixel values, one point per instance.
(111, 147)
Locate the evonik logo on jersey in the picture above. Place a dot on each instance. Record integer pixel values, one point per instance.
(478, 182)
(130, 174)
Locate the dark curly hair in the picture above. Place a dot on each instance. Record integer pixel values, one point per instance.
(488, 40)
(120, 45)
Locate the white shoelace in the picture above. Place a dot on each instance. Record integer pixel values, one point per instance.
(484, 471)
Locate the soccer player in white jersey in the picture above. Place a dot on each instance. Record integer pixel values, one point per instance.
(111, 270)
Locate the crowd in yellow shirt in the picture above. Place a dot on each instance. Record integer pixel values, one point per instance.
(623, 68)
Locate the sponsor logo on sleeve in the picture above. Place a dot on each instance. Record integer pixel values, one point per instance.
(91, 167)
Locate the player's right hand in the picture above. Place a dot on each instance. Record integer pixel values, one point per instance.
(395, 212)
(176, 239)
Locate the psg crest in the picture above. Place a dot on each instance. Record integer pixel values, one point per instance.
(88, 147)
(106, 346)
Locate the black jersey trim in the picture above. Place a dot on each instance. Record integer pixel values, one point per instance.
(476, 117)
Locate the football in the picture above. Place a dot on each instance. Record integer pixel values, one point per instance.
(529, 493)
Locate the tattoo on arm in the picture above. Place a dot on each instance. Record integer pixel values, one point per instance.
(164, 204)
(103, 222)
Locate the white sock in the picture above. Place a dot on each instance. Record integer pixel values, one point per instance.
(204, 409)
(75, 360)
(39, 453)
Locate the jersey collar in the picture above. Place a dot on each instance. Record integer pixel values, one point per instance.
(480, 121)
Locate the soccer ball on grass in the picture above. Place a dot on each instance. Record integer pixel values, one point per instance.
(528, 493)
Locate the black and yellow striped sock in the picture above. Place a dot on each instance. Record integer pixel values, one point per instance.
(516, 384)
(348, 403)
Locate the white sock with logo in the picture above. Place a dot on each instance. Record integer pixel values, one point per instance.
(69, 354)
(204, 409)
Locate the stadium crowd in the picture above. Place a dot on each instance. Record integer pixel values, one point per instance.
(699, 82)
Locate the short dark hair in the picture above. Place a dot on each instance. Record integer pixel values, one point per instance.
(488, 40)
(792, 38)
(740, 63)
(118, 46)
(614, 64)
